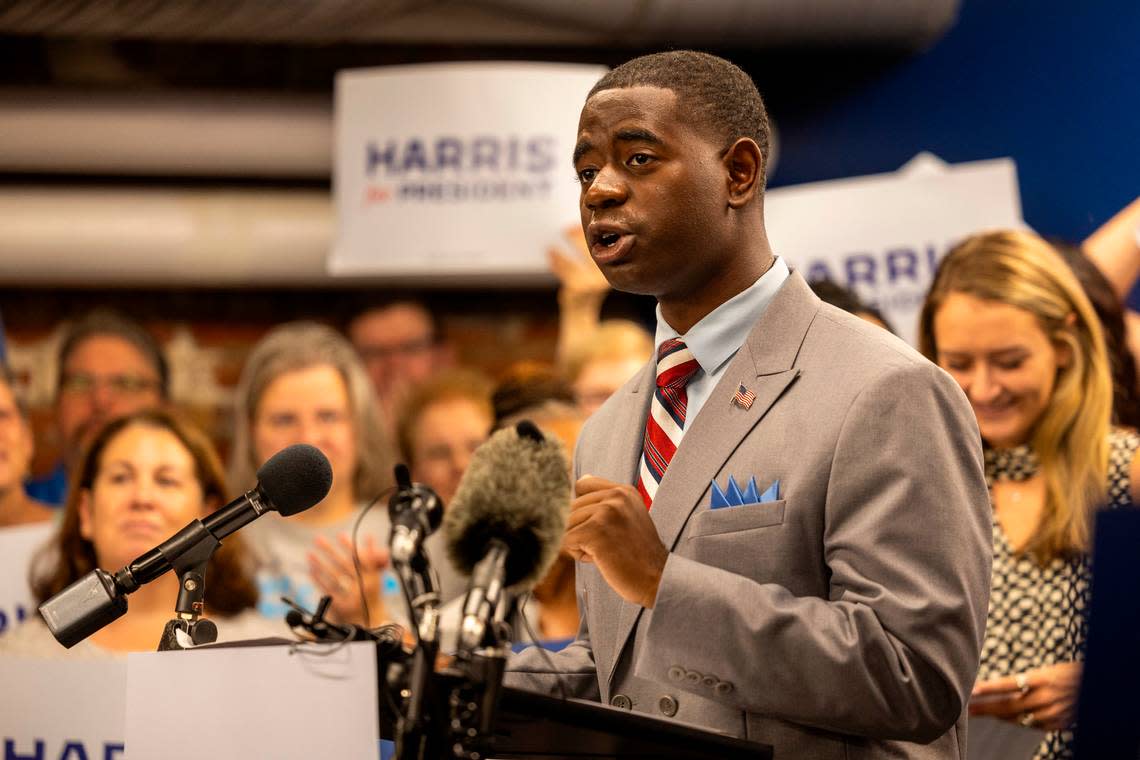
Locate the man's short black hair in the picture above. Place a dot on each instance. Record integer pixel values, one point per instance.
(109, 322)
(718, 93)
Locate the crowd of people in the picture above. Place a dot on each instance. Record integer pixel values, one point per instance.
(134, 469)
(1034, 334)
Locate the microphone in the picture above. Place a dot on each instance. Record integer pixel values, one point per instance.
(291, 481)
(415, 512)
(505, 524)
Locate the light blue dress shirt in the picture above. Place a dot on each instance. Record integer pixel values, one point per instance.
(716, 338)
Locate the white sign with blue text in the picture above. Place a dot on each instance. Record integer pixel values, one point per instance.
(883, 235)
(62, 709)
(455, 169)
(17, 547)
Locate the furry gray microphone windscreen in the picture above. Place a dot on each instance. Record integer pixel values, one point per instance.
(516, 489)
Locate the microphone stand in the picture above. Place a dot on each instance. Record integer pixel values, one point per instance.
(474, 700)
(189, 558)
(414, 738)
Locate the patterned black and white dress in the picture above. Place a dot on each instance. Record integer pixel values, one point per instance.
(1036, 616)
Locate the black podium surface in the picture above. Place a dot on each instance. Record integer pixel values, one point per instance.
(536, 726)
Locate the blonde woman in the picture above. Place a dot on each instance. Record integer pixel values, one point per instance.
(597, 368)
(442, 422)
(1009, 321)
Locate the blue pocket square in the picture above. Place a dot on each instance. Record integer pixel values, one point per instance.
(732, 496)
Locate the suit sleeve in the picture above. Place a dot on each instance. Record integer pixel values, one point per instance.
(542, 671)
(892, 653)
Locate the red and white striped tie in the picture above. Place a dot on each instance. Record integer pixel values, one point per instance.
(666, 423)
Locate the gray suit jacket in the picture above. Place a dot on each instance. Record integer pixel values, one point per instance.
(843, 620)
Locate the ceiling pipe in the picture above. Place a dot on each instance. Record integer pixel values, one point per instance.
(171, 134)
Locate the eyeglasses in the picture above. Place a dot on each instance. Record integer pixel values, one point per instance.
(405, 348)
(84, 383)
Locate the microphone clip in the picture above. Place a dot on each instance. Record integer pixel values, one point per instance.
(189, 552)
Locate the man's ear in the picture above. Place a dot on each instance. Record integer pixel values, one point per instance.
(744, 164)
(86, 518)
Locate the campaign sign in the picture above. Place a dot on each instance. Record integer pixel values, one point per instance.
(62, 710)
(883, 235)
(455, 169)
(17, 547)
(234, 703)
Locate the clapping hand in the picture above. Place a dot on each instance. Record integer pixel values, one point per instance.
(332, 570)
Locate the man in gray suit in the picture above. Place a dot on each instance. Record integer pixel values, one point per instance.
(813, 569)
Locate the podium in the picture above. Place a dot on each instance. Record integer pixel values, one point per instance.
(537, 726)
(326, 701)
(533, 726)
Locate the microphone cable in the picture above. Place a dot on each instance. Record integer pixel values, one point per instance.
(560, 676)
(356, 566)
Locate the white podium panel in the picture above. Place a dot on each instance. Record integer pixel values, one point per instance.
(239, 703)
(56, 709)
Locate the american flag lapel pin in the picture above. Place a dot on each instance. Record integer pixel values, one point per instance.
(744, 397)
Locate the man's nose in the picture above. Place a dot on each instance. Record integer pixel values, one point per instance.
(606, 191)
(103, 397)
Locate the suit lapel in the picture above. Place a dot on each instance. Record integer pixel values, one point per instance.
(622, 447)
(764, 365)
(627, 434)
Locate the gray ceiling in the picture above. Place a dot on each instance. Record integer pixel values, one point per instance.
(896, 23)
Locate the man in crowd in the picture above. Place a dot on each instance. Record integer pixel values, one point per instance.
(108, 366)
(400, 346)
(782, 525)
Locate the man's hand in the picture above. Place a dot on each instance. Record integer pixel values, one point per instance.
(610, 527)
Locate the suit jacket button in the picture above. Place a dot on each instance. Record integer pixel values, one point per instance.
(693, 678)
(622, 702)
(710, 682)
(723, 688)
(667, 705)
(676, 673)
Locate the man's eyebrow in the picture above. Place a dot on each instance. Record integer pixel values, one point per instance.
(634, 134)
(631, 134)
(582, 148)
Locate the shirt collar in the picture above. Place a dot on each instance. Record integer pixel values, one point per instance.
(721, 333)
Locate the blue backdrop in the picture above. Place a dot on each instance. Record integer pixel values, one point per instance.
(1055, 85)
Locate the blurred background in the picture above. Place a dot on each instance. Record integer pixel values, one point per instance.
(172, 159)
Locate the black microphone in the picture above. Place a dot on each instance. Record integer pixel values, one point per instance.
(506, 522)
(291, 481)
(415, 512)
